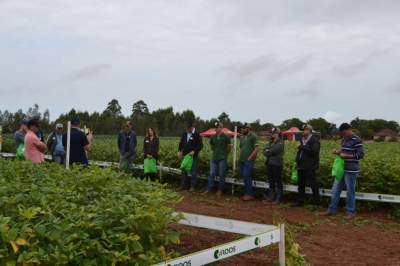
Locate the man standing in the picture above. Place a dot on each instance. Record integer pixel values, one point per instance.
(191, 143)
(55, 144)
(80, 143)
(34, 148)
(352, 152)
(19, 135)
(220, 146)
(127, 142)
(248, 154)
(307, 164)
(274, 154)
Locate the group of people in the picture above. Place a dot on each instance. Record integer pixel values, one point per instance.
(191, 143)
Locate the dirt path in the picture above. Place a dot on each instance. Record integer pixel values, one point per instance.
(369, 239)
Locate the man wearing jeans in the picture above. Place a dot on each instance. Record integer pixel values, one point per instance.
(220, 146)
(248, 154)
(352, 152)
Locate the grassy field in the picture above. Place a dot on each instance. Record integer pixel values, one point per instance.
(380, 170)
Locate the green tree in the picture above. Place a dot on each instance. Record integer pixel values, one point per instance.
(324, 127)
(139, 108)
(293, 122)
(113, 108)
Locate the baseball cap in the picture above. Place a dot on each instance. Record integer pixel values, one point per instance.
(25, 121)
(75, 121)
(33, 122)
(344, 126)
(307, 126)
(59, 125)
(275, 130)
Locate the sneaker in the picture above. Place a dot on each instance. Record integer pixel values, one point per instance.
(207, 192)
(350, 216)
(327, 213)
(247, 198)
(192, 189)
(315, 208)
(297, 205)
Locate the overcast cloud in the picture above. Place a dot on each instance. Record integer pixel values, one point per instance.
(253, 59)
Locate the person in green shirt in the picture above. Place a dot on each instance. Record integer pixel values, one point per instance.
(220, 146)
(248, 154)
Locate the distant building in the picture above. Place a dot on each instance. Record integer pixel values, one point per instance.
(386, 135)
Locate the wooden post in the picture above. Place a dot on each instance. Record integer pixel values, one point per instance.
(282, 259)
(68, 145)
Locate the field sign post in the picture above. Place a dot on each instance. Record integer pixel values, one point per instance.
(68, 145)
(160, 170)
(234, 156)
(1, 137)
(282, 259)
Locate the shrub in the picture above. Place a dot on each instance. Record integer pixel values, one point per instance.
(52, 216)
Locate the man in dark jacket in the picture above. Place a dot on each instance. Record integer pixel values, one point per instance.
(307, 164)
(274, 154)
(55, 144)
(127, 142)
(191, 143)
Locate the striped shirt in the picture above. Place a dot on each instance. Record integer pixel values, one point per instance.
(353, 146)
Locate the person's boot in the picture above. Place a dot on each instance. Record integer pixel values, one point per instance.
(278, 197)
(270, 196)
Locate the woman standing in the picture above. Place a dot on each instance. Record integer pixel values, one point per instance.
(150, 149)
(274, 154)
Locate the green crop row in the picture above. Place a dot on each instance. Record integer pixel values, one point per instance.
(51, 216)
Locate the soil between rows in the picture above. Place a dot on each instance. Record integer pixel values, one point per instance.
(369, 239)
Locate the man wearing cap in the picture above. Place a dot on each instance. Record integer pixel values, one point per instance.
(19, 135)
(307, 159)
(127, 142)
(352, 152)
(191, 144)
(220, 146)
(55, 144)
(79, 143)
(274, 153)
(248, 154)
(34, 148)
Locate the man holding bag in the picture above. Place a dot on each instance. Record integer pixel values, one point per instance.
(190, 144)
(352, 152)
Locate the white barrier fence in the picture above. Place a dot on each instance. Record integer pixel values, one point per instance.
(258, 184)
(256, 236)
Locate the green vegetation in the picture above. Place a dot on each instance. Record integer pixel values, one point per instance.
(51, 216)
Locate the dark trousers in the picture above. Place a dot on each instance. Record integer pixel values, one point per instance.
(190, 179)
(274, 173)
(308, 176)
(151, 176)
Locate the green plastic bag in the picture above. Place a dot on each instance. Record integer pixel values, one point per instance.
(294, 178)
(187, 163)
(338, 168)
(21, 152)
(150, 166)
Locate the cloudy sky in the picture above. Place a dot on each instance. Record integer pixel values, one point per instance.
(251, 58)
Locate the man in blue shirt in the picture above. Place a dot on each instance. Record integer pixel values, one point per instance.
(55, 144)
(352, 152)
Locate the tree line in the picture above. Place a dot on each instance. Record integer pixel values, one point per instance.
(167, 122)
